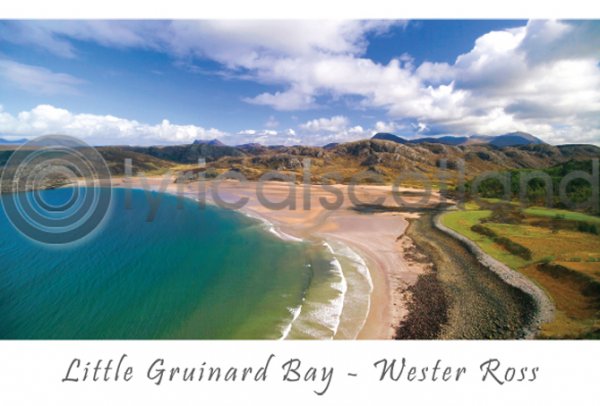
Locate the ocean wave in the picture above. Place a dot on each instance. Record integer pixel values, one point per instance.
(331, 315)
(270, 227)
(320, 313)
(363, 270)
(295, 313)
(358, 262)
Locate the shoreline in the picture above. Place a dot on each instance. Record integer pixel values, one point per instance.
(373, 237)
(374, 233)
(545, 309)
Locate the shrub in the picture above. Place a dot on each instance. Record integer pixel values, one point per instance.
(514, 248)
(511, 246)
(587, 228)
(488, 232)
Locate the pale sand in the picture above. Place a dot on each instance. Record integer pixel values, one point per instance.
(378, 237)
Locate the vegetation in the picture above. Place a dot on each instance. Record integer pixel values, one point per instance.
(578, 191)
(557, 249)
(565, 214)
(511, 246)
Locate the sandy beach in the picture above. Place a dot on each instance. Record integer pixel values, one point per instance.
(377, 237)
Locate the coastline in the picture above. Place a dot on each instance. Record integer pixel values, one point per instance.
(373, 237)
(545, 309)
(374, 233)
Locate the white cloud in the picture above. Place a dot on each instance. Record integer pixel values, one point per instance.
(333, 124)
(325, 130)
(291, 99)
(110, 130)
(266, 137)
(318, 131)
(551, 40)
(383, 127)
(247, 132)
(543, 78)
(36, 79)
(97, 129)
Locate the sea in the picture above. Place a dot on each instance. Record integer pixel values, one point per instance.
(191, 272)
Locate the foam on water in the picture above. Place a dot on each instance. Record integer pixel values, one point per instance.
(270, 227)
(321, 311)
(313, 317)
(295, 312)
(358, 296)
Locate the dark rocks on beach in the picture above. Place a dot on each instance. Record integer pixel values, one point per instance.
(427, 310)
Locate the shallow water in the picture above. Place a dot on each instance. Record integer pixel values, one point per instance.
(190, 273)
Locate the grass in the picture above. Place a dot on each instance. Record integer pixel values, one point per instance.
(568, 215)
(462, 221)
(578, 313)
(560, 245)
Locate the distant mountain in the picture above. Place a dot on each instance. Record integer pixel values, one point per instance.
(506, 140)
(389, 137)
(514, 139)
(380, 155)
(446, 140)
(214, 142)
(20, 141)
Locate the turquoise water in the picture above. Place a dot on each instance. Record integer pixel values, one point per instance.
(190, 273)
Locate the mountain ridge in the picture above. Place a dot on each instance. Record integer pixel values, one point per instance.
(504, 140)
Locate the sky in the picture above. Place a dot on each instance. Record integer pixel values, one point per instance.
(309, 82)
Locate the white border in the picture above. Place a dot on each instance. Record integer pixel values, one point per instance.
(30, 371)
(305, 9)
(568, 373)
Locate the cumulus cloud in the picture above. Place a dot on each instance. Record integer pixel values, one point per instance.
(37, 79)
(333, 124)
(96, 129)
(543, 77)
(324, 130)
(265, 137)
(247, 132)
(385, 127)
(99, 129)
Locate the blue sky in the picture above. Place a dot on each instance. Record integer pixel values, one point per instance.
(293, 82)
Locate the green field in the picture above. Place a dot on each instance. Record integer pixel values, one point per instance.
(564, 262)
(568, 215)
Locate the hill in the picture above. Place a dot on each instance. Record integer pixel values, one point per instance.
(214, 142)
(504, 140)
(388, 159)
(516, 138)
(389, 137)
(20, 141)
